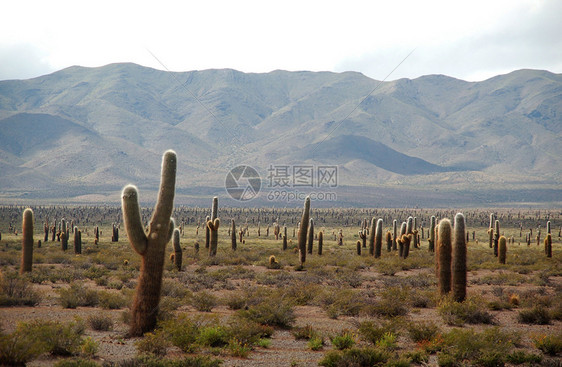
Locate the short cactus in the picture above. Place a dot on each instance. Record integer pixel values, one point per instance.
(502, 249)
(431, 239)
(359, 247)
(320, 242)
(177, 249)
(27, 241)
(151, 246)
(378, 239)
(444, 252)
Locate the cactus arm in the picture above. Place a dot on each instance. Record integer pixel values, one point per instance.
(132, 219)
(163, 211)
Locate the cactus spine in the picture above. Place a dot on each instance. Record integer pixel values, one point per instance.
(27, 241)
(444, 250)
(233, 236)
(502, 250)
(431, 239)
(303, 231)
(378, 239)
(459, 259)
(310, 236)
(151, 246)
(177, 249)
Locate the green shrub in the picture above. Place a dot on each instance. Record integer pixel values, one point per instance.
(273, 311)
(59, 339)
(78, 296)
(77, 362)
(344, 340)
(373, 332)
(422, 331)
(549, 344)
(111, 300)
(153, 343)
(418, 357)
(182, 332)
(238, 349)
(248, 332)
(520, 356)
(89, 347)
(16, 290)
(471, 311)
(303, 332)
(537, 315)
(316, 342)
(18, 348)
(355, 357)
(100, 322)
(213, 336)
(203, 301)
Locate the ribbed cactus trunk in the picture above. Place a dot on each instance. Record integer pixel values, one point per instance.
(491, 230)
(548, 245)
(406, 241)
(178, 253)
(27, 241)
(410, 225)
(444, 245)
(459, 259)
(285, 238)
(213, 226)
(64, 235)
(233, 236)
(372, 236)
(388, 241)
(502, 250)
(394, 234)
(310, 242)
(358, 247)
(151, 246)
(496, 237)
(363, 237)
(378, 239)
(548, 227)
(320, 242)
(208, 233)
(77, 241)
(303, 231)
(431, 239)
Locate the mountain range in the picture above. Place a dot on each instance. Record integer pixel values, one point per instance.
(80, 134)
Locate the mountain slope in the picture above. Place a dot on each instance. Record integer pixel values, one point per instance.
(100, 128)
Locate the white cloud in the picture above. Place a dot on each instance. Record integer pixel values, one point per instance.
(464, 39)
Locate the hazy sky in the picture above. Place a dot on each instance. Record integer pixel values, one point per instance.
(470, 40)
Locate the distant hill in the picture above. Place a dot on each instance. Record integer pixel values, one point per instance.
(81, 134)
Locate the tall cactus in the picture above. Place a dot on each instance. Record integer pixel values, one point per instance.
(320, 242)
(233, 236)
(502, 249)
(310, 243)
(496, 236)
(491, 230)
(27, 241)
(285, 238)
(459, 259)
(431, 239)
(151, 246)
(77, 241)
(410, 225)
(64, 235)
(303, 231)
(178, 253)
(548, 227)
(372, 236)
(378, 239)
(394, 234)
(444, 245)
(548, 245)
(213, 224)
(388, 241)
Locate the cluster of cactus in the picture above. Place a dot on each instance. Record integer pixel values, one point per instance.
(150, 246)
(451, 258)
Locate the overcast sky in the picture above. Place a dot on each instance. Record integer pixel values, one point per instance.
(470, 40)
